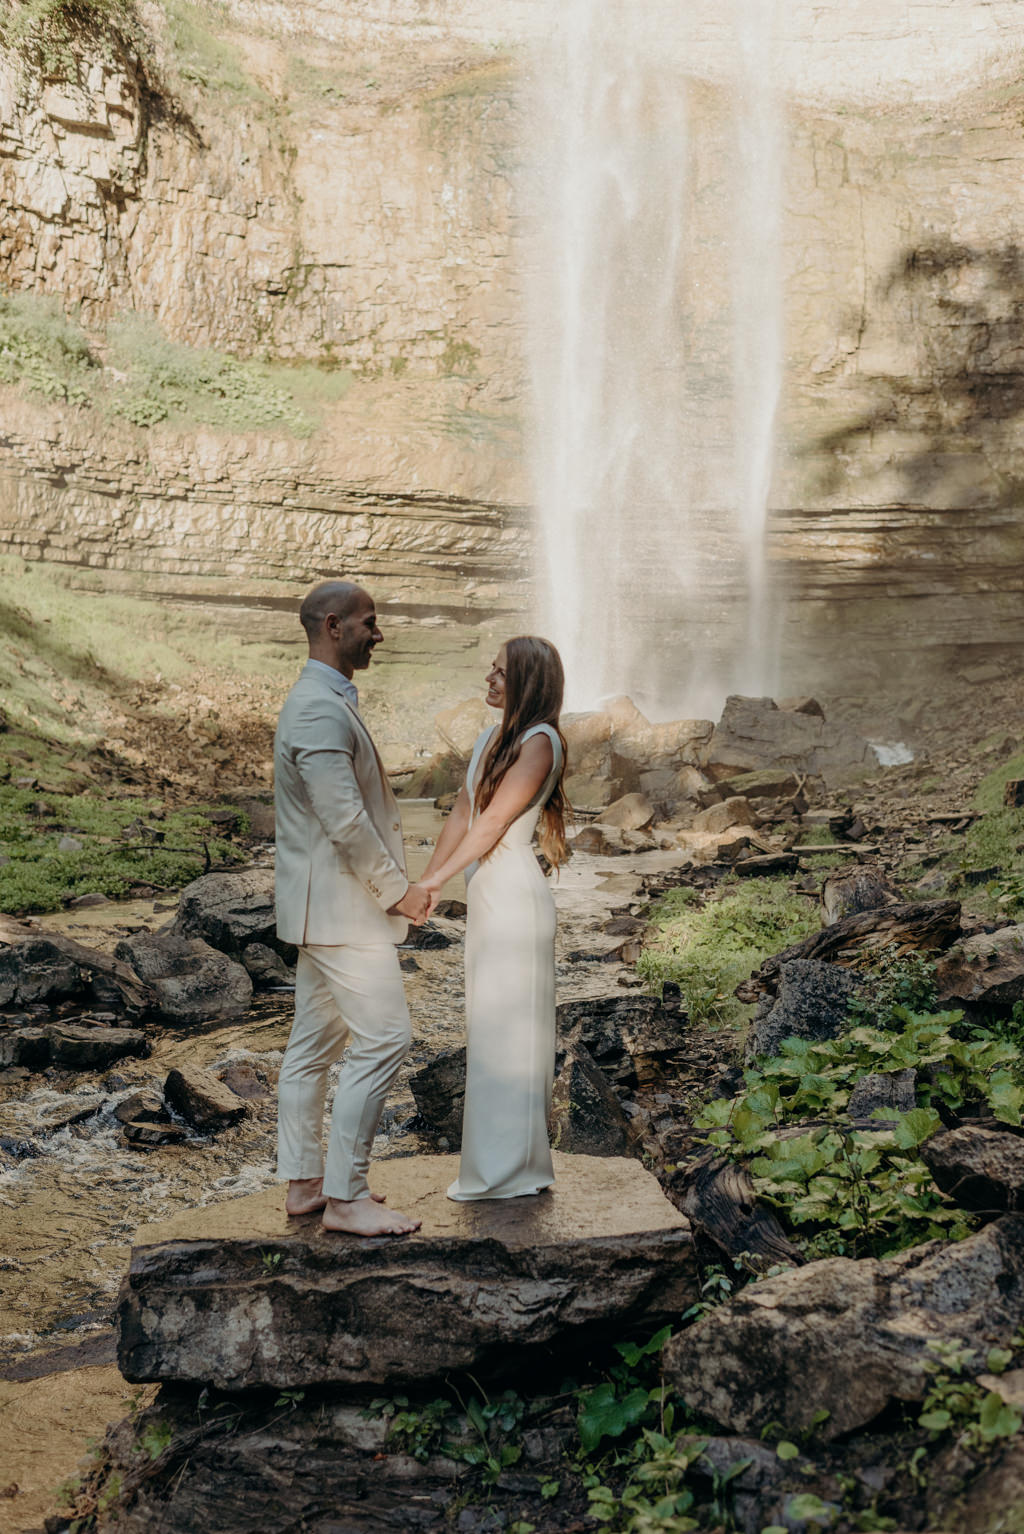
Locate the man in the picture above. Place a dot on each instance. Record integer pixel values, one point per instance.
(342, 896)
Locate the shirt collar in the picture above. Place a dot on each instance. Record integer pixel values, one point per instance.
(340, 683)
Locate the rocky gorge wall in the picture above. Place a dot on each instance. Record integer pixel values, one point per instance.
(342, 184)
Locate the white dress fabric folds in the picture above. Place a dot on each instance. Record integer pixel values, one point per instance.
(510, 1007)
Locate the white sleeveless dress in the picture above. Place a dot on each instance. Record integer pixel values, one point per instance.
(510, 1007)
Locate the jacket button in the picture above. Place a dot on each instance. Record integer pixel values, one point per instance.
(397, 826)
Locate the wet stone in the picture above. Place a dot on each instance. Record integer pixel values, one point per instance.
(238, 1296)
(203, 1100)
(93, 1049)
(586, 1119)
(192, 982)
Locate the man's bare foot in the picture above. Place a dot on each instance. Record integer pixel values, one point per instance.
(306, 1196)
(366, 1217)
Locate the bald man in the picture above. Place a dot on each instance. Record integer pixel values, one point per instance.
(342, 896)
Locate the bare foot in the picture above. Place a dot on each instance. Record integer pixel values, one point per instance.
(366, 1217)
(306, 1196)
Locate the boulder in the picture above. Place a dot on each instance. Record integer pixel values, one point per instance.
(29, 1047)
(600, 841)
(672, 790)
(202, 1099)
(630, 813)
(586, 1118)
(237, 1296)
(812, 1002)
(754, 733)
(230, 910)
(46, 966)
(444, 773)
(986, 970)
(980, 1169)
(439, 1092)
(460, 726)
(191, 982)
(771, 783)
(857, 889)
(850, 1336)
(722, 817)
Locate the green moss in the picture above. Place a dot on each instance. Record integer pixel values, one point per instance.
(457, 359)
(708, 949)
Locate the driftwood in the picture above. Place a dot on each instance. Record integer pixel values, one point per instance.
(717, 1197)
(924, 926)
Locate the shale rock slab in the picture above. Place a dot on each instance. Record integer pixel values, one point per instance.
(36, 965)
(850, 1336)
(754, 734)
(238, 1296)
(980, 1169)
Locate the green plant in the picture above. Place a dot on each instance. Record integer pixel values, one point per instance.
(155, 1438)
(44, 351)
(414, 1430)
(897, 984)
(290, 1398)
(625, 1399)
(861, 1191)
(955, 1403)
(271, 1261)
(708, 948)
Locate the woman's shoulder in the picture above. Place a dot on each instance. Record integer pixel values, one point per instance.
(546, 732)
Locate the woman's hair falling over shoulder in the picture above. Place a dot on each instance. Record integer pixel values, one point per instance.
(534, 685)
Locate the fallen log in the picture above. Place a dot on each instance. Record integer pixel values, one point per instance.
(717, 1197)
(912, 927)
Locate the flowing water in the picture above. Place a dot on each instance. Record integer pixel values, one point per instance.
(654, 402)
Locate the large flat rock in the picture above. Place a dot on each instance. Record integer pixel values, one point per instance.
(240, 1296)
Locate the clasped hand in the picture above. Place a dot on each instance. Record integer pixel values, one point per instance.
(417, 903)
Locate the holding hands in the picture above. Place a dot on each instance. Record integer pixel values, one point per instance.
(416, 904)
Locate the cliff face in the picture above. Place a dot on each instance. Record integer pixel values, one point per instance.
(340, 184)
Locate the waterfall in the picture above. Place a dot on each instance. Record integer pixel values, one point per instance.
(655, 357)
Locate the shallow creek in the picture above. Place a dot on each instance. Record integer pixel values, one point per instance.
(68, 1208)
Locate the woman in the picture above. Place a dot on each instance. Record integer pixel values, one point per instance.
(514, 780)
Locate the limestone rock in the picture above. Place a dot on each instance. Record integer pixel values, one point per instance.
(770, 783)
(859, 889)
(849, 1336)
(231, 910)
(600, 841)
(239, 1297)
(244, 1080)
(46, 966)
(981, 1169)
(722, 817)
(202, 1099)
(630, 813)
(812, 1003)
(754, 733)
(586, 1118)
(443, 774)
(191, 981)
(986, 970)
(460, 726)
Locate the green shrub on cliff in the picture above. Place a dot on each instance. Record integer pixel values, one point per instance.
(45, 30)
(44, 351)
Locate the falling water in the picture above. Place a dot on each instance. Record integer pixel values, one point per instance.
(654, 388)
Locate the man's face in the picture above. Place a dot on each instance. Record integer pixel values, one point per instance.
(355, 635)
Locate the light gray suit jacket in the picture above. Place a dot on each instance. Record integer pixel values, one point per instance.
(340, 861)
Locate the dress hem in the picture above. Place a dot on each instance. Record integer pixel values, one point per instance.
(474, 1198)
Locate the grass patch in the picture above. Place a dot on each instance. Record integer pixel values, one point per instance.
(123, 843)
(708, 949)
(45, 352)
(204, 56)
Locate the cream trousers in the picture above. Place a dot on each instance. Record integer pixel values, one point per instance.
(350, 996)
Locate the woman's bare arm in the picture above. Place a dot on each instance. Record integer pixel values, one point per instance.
(452, 832)
(516, 790)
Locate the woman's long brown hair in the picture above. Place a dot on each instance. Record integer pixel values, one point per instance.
(534, 685)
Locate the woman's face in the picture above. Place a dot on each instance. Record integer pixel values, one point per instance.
(496, 680)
